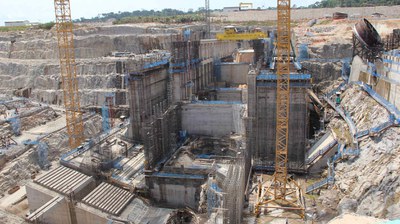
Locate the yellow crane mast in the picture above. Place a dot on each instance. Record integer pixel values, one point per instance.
(66, 49)
(282, 191)
(282, 98)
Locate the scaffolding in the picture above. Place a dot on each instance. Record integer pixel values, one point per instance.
(367, 53)
(214, 195)
(160, 135)
(184, 63)
(234, 188)
(392, 40)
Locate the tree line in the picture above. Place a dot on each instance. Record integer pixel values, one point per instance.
(165, 15)
(179, 16)
(353, 3)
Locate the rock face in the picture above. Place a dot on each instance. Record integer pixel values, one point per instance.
(323, 71)
(21, 169)
(370, 184)
(32, 60)
(350, 218)
(332, 51)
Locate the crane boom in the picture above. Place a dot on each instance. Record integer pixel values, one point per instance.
(66, 49)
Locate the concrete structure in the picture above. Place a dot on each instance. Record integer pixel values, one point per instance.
(147, 90)
(54, 211)
(262, 124)
(51, 195)
(232, 95)
(154, 87)
(245, 56)
(64, 181)
(181, 181)
(213, 118)
(64, 195)
(383, 76)
(232, 74)
(108, 198)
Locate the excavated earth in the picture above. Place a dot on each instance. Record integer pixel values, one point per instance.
(369, 184)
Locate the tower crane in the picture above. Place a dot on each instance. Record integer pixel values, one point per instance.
(66, 49)
(282, 191)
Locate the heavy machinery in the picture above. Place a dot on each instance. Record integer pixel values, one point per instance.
(66, 49)
(233, 33)
(283, 192)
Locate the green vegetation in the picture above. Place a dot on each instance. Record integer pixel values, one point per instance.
(178, 16)
(163, 16)
(46, 26)
(188, 18)
(12, 28)
(352, 3)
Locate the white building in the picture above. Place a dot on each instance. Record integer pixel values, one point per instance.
(17, 23)
(231, 9)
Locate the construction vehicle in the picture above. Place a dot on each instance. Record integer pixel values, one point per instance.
(234, 33)
(69, 80)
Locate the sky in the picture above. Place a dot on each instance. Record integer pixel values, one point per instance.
(43, 10)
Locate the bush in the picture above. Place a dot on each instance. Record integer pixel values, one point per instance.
(46, 26)
(12, 28)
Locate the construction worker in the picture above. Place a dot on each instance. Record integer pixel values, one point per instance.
(338, 100)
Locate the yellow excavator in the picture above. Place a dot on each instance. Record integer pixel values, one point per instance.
(233, 33)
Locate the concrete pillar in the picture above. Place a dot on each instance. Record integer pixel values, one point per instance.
(136, 86)
(251, 105)
(177, 87)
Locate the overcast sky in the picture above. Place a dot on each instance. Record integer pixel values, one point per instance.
(43, 10)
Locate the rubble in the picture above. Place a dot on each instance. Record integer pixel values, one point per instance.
(369, 184)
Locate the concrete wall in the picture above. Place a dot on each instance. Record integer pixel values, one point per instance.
(230, 95)
(393, 66)
(175, 192)
(357, 66)
(38, 196)
(160, 137)
(84, 189)
(146, 90)
(233, 73)
(57, 213)
(213, 119)
(388, 84)
(262, 114)
(211, 48)
(87, 215)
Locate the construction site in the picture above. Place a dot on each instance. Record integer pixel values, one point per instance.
(295, 121)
